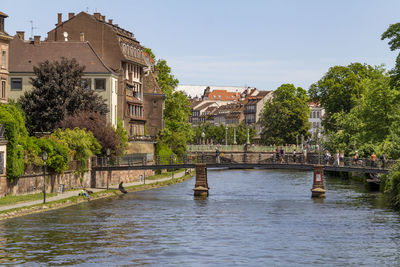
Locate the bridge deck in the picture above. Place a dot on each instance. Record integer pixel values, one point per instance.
(305, 167)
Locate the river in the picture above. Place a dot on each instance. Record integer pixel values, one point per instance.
(251, 218)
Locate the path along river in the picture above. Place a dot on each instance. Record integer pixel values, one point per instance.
(251, 218)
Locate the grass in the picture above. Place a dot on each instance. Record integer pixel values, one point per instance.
(11, 199)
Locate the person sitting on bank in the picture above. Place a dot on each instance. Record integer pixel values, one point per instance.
(84, 193)
(121, 188)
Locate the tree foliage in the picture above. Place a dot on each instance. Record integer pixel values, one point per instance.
(285, 116)
(83, 144)
(102, 130)
(393, 35)
(57, 92)
(340, 89)
(177, 131)
(15, 133)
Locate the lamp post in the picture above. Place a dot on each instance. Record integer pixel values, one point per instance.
(203, 135)
(319, 148)
(44, 157)
(108, 152)
(248, 137)
(234, 136)
(226, 136)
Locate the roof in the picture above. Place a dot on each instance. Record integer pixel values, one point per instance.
(148, 57)
(203, 106)
(3, 15)
(223, 95)
(25, 54)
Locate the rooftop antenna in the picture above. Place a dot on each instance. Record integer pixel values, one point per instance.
(32, 28)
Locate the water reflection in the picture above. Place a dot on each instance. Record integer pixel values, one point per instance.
(251, 218)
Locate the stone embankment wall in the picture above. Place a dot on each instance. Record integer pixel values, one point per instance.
(33, 183)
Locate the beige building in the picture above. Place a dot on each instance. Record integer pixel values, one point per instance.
(24, 55)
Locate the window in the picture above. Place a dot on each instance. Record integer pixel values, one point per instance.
(86, 83)
(3, 89)
(16, 84)
(100, 84)
(3, 59)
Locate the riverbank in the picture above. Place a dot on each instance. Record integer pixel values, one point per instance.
(70, 198)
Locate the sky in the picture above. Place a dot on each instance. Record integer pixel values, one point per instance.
(253, 43)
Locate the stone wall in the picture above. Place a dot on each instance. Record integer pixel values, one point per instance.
(33, 183)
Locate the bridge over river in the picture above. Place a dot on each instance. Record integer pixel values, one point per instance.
(247, 160)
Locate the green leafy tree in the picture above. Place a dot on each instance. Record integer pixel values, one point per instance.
(16, 134)
(83, 144)
(393, 35)
(103, 131)
(57, 92)
(285, 116)
(177, 131)
(340, 88)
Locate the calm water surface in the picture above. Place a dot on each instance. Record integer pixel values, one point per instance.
(251, 218)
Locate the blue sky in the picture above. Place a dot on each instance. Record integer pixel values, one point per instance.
(255, 43)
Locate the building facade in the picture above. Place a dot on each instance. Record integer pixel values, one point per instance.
(4, 59)
(25, 54)
(317, 113)
(121, 52)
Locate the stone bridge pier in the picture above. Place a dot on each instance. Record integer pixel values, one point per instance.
(318, 188)
(201, 187)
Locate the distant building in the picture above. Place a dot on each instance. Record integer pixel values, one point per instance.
(24, 55)
(317, 114)
(4, 59)
(198, 90)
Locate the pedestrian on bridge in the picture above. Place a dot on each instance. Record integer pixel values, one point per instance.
(294, 155)
(336, 158)
(327, 157)
(217, 155)
(383, 160)
(373, 159)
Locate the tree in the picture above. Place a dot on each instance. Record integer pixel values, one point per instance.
(393, 34)
(340, 88)
(57, 92)
(83, 144)
(177, 131)
(101, 129)
(285, 116)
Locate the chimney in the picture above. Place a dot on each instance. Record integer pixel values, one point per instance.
(21, 35)
(103, 18)
(82, 37)
(36, 39)
(96, 15)
(59, 19)
(71, 15)
(110, 21)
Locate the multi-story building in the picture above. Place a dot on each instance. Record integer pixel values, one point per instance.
(121, 52)
(254, 106)
(25, 54)
(317, 113)
(153, 98)
(199, 112)
(4, 58)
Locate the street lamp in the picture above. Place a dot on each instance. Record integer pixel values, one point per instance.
(226, 135)
(44, 157)
(234, 136)
(203, 135)
(248, 137)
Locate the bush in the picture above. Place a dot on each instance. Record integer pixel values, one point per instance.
(15, 133)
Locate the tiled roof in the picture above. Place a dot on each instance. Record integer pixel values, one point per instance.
(25, 54)
(205, 105)
(223, 95)
(3, 15)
